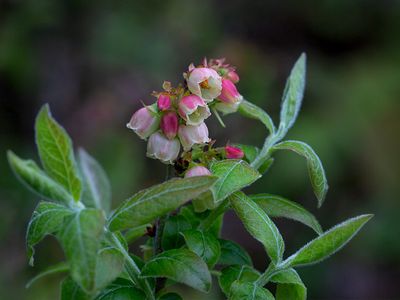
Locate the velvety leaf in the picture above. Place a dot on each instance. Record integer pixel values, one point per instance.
(249, 291)
(47, 219)
(181, 265)
(70, 290)
(233, 175)
(203, 202)
(133, 234)
(236, 272)
(289, 285)
(252, 111)
(327, 243)
(36, 180)
(110, 263)
(121, 289)
(56, 152)
(276, 206)
(314, 165)
(96, 186)
(204, 244)
(171, 237)
(293, 94)
(81, 239)
(170, 296)
(54, 269)
(259, 225)
(233, 254)
(147, 205)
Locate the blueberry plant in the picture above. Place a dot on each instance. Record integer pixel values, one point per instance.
(182, 217)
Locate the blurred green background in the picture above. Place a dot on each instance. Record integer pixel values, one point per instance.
(93, 61)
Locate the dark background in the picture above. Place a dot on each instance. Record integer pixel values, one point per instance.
(94, 61)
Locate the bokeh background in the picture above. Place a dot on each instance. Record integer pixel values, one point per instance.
(93, 61)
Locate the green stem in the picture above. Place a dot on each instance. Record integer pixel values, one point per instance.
(213, 216)
(269, 272)
(265, 152)
(132, 269)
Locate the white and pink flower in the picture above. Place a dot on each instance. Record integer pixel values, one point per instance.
(144, 122)
(193, 110)
(190, 135)
(197, 171)
(229, 98)
(205, 83)
(162, 148)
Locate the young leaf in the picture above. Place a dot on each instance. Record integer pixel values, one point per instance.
(55, 269)
(327, 243)
(37, 180)
(233, 254)
(147, 205)
(47, 219)
(121, 289)
(315, 169)
(293, 95)
(204, 244)
(233, 175)
(110, 263)
(181, 265)
(276, 206)
(171, 237)
(249, 291)
(259, 225)
(289, 285)
(81, 237)
(96, 186)
(236, 272)
(56, 153)
(70, 290)
(252, 111)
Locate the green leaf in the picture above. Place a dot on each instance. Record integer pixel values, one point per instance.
(236, 272)
(232, 254)
(233, 175)
(250, 154)
(35, 179)
(252, 111)
(277, 206)
(181, 265)
(171, 237)
(70, 290)
(170, 296)
(249, 291)
(47, 219)
(314, 165)
(259, 225)
(96, 186)
(54, 269)
(327, 243)
(56, 152)
(147, 205)
(289, 285)
(204, 244)
(133, 234)
(110, 263)
(81, 239)
(293, 95)
(121, 289)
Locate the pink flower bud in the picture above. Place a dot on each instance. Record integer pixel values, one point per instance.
(144, 122)
(233, 76)
(205, 83)
(233, 152)
(159, 147)
(169, 124)
(190, 135)
(163, 102)
(197, 171)
(193, 110)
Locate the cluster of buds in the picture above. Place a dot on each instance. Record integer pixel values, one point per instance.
(175, 123)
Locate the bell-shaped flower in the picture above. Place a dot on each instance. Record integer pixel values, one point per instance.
(197, 171)
(229, 99)
(232, 76)
(160, 147)
(205, 83)
(169, 124)
(233, 152)
(190, 135)
(193, 109)
(144, 122)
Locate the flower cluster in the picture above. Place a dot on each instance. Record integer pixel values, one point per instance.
(175, 123)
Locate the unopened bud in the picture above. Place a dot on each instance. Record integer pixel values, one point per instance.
(164, 102)
(169, 124)
(233, 152)
(197, 171)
